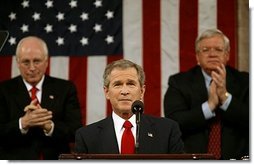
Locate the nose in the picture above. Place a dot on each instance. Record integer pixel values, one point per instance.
(212, 51)
(31, 66)
(124, 90)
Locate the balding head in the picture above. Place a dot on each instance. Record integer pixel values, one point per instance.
(32, 41)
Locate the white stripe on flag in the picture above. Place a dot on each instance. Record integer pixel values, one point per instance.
(14, 69)
(132, 31)
(59, 67)
(96, 102)
(207, 15)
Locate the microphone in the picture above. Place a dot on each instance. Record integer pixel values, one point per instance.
(137, 108)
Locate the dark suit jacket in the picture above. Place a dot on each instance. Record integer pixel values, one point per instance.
(58, 96)
(187, 91)
(100, 137)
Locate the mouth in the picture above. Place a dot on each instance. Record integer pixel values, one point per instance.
(213, 61)
(125, 100)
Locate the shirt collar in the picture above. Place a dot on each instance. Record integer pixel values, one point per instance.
(38, 86)
(207, 78)
(118, 121)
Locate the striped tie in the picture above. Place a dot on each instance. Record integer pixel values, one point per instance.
(33, 94)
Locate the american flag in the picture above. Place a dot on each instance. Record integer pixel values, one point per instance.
(85, 35)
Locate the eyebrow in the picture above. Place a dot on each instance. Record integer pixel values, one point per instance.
(120, 81)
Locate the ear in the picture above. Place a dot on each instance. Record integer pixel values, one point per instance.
(227, 56)
(143, 89)
(47, 62)
(197, 58)
(106, 92)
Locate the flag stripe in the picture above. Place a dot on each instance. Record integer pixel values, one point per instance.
(188, 33)
(78, 74)
(6, 64)
(207, 15)
(14, 68)
(228, 25)
(132, 31)
(152, 55)
(59, 63)
(96, 103)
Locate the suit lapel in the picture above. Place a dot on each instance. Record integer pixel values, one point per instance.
(231, 83)
(48, 93)
(198, 85)
(147, 135)
(108, 142)
(20, 93)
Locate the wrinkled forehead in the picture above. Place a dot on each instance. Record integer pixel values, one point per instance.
(216, 40)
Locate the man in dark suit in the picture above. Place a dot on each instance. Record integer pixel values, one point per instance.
(209, 90)
(124, 84)
(44, 127)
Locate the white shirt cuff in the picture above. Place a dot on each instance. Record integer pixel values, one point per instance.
(225, 105)
(207, 111)
(23, 131)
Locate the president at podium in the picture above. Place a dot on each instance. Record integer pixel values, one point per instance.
(128, 130)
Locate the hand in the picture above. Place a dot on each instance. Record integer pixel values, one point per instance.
(219, 77)
(32, 106)
(48, 126)
(213, 99)
(36, 116)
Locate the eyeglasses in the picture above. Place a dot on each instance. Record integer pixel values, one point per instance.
(207, 50)
(28, 63)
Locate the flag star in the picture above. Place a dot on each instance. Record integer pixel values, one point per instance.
(60, 16)
(73, 28)
(12, 16)
(84, 16)
(109, 14)
(49, 3)
(97, 28)
(24, 28)
(109, 39)
(84, 41)
(60, 41)
(98, 3)
(73, 3)
(36, 16)
(25, 3)
(12, 41)
(48, 28)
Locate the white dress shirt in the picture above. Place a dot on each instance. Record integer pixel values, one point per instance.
(118, 125)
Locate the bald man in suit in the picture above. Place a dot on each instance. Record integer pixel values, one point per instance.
(44, 127)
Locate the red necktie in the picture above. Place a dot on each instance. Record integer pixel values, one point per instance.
(33, 94)
(214, 144)
(127, 144)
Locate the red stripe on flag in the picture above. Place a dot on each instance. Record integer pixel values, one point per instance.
(152, 56)
(78, 74)
(227, 23)
(188, 33)
(5, 67)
